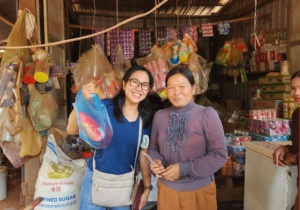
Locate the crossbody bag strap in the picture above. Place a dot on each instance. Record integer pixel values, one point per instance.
(137, 147)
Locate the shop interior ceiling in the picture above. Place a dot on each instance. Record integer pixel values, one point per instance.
(214, 9)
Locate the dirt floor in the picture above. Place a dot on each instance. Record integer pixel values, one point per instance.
(230, 205)
(12, 202)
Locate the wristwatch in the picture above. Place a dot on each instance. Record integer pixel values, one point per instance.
(148, 187)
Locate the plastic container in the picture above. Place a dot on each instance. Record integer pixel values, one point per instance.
(3, 182)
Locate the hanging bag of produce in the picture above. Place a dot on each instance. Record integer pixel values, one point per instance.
(42, 109)
(93, 121)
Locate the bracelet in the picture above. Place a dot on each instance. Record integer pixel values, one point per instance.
(148, 187)
(296, 158)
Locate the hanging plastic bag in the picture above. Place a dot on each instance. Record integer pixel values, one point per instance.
(92, 64)
(17, 37)
(59, 179)
(121, 63)
(156, 63)
(8, 76)
(12, 150)
(31, 140)
(201, 70)
(42, 110)
(93, 121)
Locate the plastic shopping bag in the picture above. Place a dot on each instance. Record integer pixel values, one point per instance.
(93, 121)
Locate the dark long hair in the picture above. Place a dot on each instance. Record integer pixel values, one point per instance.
(143, 107)
(186, 72)
(295, 74)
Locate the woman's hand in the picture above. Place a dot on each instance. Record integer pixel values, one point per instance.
(279, 155)
(88, 90)
(172, 172)
(157, 168)
(144, 199)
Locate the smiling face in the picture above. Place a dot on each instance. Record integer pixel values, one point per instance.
(133, 94)
(295, 89)
(180, 91)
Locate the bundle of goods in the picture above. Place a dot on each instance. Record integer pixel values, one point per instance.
(145, 43)
(231, 56)
(122, 63)
(157, 65)
(93, 66)
(125, 38)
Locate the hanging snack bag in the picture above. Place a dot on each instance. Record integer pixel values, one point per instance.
(93, 121)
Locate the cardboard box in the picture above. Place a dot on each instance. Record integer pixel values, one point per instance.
(276, 88)
(264, 103)
(230, 127)
(236, 103)
(276, 95)
(274, 80)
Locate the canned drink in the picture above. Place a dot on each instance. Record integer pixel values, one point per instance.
(286, 108)
(291, 107)
(259, 114)
(237, 141)
(251, 114)
(273, 113)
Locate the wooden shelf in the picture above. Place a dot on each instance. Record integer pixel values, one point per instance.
(262, 72)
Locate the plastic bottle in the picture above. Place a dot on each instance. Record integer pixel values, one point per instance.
(286, 108)
(291, 107)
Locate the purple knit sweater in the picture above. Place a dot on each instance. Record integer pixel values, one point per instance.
(192, 136)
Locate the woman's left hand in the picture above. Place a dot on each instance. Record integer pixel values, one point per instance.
(172, 172)
(144, 199)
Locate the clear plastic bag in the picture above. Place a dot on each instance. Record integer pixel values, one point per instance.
(93, 121)
(92, 64)
(8, 76)
(156, 63)
(201, 70)
(42, 110)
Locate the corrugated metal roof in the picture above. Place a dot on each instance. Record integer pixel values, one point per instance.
(133, 7)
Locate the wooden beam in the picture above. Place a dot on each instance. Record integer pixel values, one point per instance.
(6, 20)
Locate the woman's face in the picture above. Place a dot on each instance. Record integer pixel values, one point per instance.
(295, 89)
(180, 91)
(136, 87)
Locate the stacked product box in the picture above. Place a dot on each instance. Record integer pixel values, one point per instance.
(266, 127)
(273, 91)
(269, 51)
(275, 88)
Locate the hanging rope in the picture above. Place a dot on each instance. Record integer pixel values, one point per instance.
(94, 16)
(91, 35)
(79, 43)
(256, 40)
(155, 24)
(117, 17)
(188, 9)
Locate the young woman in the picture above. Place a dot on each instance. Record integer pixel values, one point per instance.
(188, 145)
(124, 110)
(289, 154)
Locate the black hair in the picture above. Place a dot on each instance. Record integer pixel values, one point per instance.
(119, 99)
(295, 74)
(186, 72)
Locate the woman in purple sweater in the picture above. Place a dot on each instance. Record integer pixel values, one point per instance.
(188, 146)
